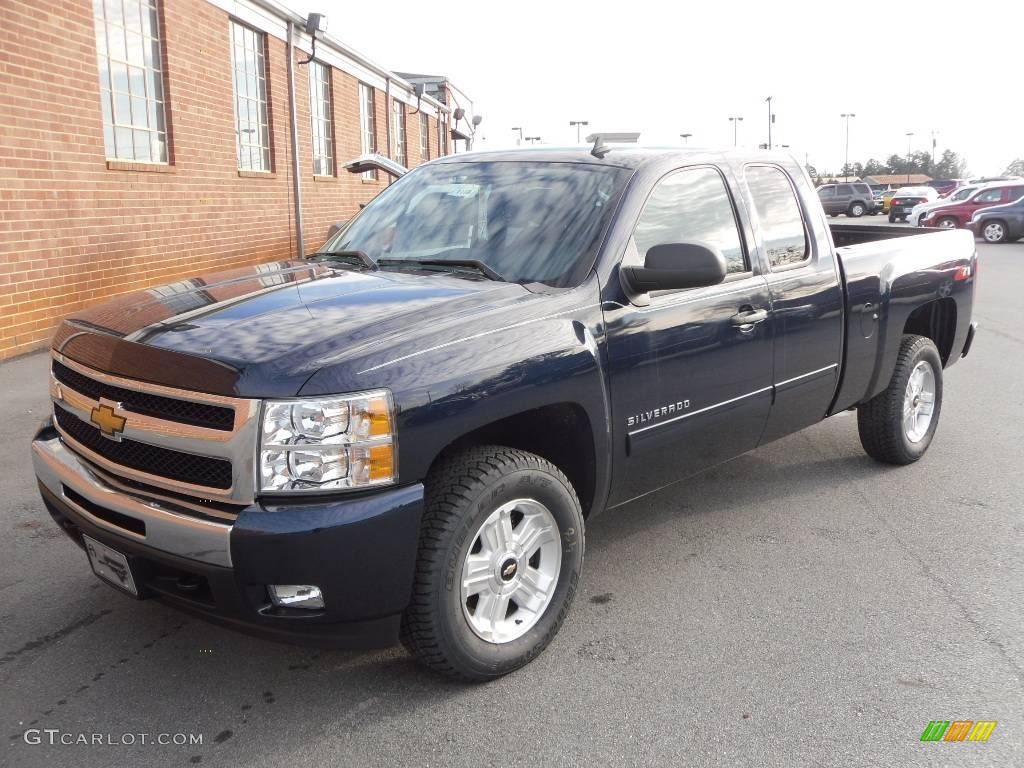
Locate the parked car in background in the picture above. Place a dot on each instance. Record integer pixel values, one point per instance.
(906, 198)
(919, 211)
(944, 186)
(887, 196)
(852, 199)
(954, 215)
(999, 223)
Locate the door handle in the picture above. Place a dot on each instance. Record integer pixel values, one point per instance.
(748, 318)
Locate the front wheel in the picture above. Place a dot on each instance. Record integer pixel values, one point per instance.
(946, 222)
(500, 555)
(897, 425)
(994, 232)
(892, 218)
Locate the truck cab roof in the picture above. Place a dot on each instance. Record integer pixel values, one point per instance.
(630, 156)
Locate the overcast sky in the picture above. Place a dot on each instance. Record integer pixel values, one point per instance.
(665, 68)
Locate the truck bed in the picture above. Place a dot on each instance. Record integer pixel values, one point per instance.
(884, 282)
(853, 234)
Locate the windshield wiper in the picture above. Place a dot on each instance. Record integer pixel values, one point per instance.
(455, 264)
(349, 257)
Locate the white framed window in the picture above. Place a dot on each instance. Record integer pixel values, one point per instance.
(367, 124)
(252, 129)
(320, 114)
(424, 137)
(398, 144)
(129, 56)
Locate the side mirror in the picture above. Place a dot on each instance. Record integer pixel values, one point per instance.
(677, 265)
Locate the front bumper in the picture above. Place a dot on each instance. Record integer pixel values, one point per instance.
(360, 550)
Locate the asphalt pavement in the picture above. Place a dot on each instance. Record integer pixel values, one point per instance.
(799, 606)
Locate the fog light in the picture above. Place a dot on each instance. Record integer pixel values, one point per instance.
(296, 596)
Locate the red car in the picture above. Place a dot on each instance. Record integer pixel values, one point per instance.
(956, 215)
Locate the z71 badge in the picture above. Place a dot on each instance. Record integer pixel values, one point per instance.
(658, 413)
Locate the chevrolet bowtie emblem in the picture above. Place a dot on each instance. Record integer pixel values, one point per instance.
(110, 424)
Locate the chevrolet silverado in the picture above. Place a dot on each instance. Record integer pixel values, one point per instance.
(403, 436)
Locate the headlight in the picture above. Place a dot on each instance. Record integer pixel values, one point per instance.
(329, 443)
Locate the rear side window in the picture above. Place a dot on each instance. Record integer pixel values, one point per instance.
(779, 216)
(691, 206)
(1015, 193)
(991, 196)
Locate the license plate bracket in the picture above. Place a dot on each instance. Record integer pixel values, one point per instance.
(110, 565)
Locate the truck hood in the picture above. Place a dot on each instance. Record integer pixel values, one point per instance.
(264, 330)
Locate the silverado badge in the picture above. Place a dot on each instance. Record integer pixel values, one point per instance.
(110, 423)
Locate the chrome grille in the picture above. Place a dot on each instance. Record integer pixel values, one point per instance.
(183, 411)
(172, 465)
(194, 445)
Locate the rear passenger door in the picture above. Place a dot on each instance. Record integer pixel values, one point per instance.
(806, 296)
(827, 195)
(844, 194)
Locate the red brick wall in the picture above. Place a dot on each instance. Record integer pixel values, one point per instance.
(75, 230)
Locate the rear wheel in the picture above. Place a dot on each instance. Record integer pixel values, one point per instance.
(857, 210)
(994, 232)
(892, 218)
(946, 222)
(897, 425)
(501, 549)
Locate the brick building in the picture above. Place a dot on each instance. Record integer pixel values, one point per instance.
(143, 141)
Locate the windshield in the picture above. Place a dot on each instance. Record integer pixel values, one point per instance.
(527, 222)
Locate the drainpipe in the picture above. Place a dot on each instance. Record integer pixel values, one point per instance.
(300, 245)
(387, 118)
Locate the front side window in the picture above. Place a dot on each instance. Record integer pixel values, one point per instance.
(424, 137)
(129, 55)
(398, 132)
(320, 114)
(252, 128)
(844, 190)
(691, 206)
(529, 222)
(367, 124)
(778, 214)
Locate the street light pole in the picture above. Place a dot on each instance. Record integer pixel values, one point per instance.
(910, 135)
(578, 124)
(735, 132)
(770, 118)
(685, 137)
(846, 159)
(520, 140)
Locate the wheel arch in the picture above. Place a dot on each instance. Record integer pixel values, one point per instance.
(561, 432)
(935, 320)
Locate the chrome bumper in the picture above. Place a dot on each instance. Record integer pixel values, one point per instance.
(202, 540)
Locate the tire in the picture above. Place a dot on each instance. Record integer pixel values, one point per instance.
(892, 219)
(887, 433)
(995, 231)
(465, 493)
(947, 222)
(857, 209)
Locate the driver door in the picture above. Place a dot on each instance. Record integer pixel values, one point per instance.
(690, 381)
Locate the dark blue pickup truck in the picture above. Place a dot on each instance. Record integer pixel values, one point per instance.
(402, 437)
